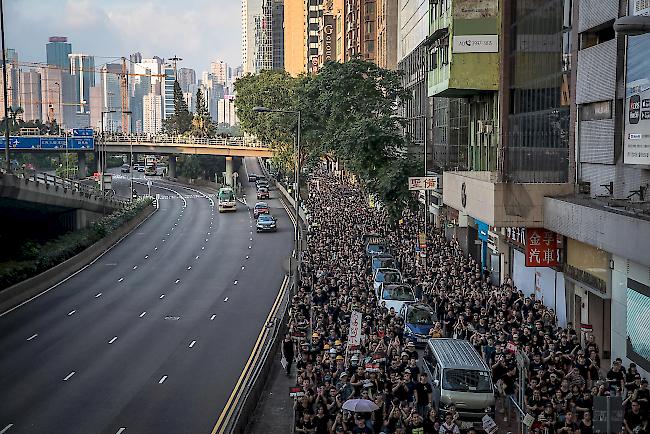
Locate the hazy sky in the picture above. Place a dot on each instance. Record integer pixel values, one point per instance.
(198, 31)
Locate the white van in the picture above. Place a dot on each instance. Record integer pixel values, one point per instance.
(459, 376)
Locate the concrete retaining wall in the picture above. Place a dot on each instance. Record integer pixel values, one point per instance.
(18, 293)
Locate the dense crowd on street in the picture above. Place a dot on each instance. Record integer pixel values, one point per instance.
(564, 367)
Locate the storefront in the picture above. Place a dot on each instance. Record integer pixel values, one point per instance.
(535, 259)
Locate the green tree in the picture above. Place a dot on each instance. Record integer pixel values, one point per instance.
(202, 124)
(188, 166)
(181, 121)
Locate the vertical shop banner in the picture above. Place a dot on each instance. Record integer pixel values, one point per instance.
(541, 248)
(637, 94)
(355, 328)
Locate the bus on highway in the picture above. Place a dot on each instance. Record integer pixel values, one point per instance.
(227, 200)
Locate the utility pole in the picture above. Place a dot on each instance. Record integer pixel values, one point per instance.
(4, 87)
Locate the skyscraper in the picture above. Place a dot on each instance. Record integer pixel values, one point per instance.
(226, 109)
(13, 85)
(277, 31)
(51, 94)
(167, 91)
(82, 68)
(219, 70)
(295, 37)
(250, 9)
(152, 113)
(57, 51)
(30, 95)
(111, 96)
(263, 22)
(186, 77)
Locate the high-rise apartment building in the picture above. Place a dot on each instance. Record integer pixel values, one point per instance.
(263, 50)
(277, 31)
(186, 77)
(52, 94)
(386, 46)
(96, 106)
(57, 51)
(152, 104)
(295, 36)
(250, 9)
(154, 66)
(82, 69)
(111, 96)
(30, 95)
(226, 109)
(361, 29)
(13, 84)
(219, 71)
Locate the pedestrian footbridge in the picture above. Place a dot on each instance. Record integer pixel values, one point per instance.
(175, 145)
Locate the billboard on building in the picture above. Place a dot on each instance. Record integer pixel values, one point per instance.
(472, 9)
(637, 94)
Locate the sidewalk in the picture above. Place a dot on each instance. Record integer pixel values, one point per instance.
(274, 412)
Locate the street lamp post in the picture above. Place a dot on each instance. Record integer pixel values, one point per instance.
(102, 150)
(130, 113)
(296, 209)
(5, 76)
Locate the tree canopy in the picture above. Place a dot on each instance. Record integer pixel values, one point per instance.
(349, 111)
(181, 121)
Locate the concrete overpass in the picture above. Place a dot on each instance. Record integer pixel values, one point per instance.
(175, 145)
(73, 203)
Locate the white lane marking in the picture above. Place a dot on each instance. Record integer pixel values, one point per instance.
(120, 279)
(235, 283)
(155, 248)
(146, 256)
(172, 229)
(98, 295)
(189, 268)
(112, 340)
(197, 257)
(67, 377)
(212, 317)
(120, 431)
(225, 299)
(203, 248)
(242, 267)
(162, 296)
(143, 314)
(246, 257)
(32, 336)
(192, 344)
(208, 233)
(162, 380)
(71, 312)
(251, 239)
(250, 247)
(206, 240)
(177, 280)
(5, 429)
(135, 267)
(164, 241)
(251, 232)
(167, 234)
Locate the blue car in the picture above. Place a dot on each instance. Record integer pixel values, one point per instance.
(419, 318)
(383, 261)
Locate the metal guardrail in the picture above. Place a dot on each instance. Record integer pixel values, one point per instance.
(50, 180)
(179, 140)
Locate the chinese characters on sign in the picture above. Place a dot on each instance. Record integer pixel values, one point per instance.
(542, 249)
(423, 182)
(354, 336)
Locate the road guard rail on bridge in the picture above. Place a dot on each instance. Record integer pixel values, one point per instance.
(66, 185)
(179, 140)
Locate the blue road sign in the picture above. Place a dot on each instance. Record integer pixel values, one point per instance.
(82, 132)
(49, 143)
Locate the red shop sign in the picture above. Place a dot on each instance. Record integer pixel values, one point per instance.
(542, 249)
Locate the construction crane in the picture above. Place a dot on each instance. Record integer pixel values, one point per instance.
(123, 77)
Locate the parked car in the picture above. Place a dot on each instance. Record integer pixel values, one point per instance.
(125, 168)
(386, 275)
(266, 223)
(263, 193)
(261, 208)
(395, 296)
(419, 318)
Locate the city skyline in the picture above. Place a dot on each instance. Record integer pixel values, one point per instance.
(210, 29)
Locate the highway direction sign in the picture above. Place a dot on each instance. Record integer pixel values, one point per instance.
(50, 143)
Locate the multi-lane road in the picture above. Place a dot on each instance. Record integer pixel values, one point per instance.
(153, 336)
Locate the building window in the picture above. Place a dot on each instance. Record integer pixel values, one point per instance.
(444, 50)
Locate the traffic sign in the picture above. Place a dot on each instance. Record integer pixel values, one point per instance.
(82, 132)
(49, 143)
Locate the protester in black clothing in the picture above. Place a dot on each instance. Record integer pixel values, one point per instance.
(287, 352)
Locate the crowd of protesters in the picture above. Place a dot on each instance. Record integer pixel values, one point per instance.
(564, 368)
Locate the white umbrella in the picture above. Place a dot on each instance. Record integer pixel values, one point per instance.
(360, 405)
